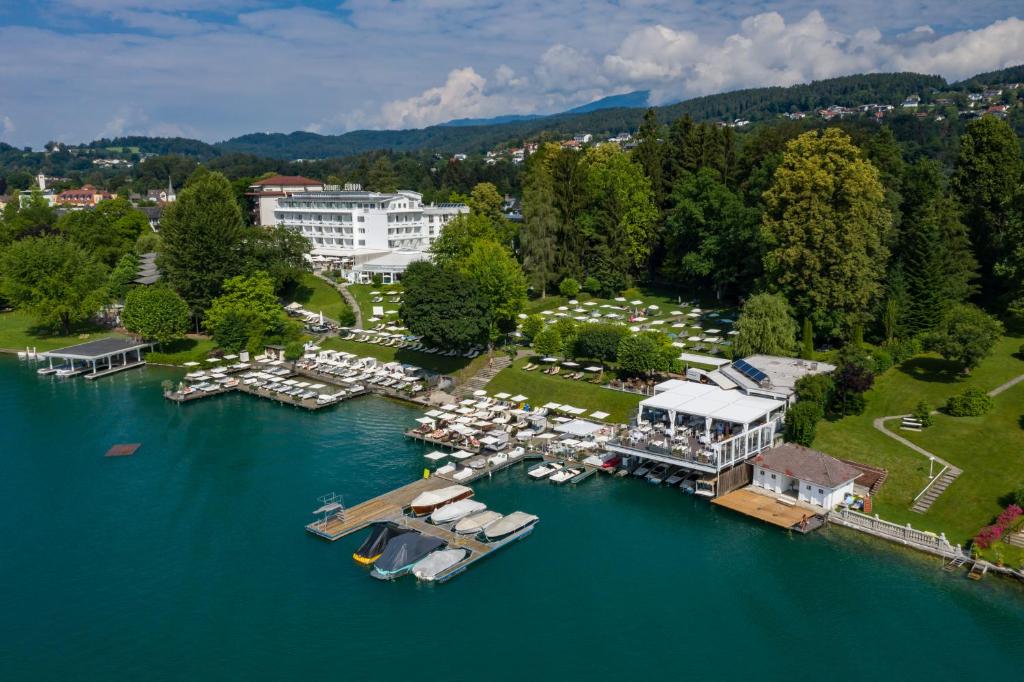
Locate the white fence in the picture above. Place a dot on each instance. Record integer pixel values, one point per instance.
(887, 530)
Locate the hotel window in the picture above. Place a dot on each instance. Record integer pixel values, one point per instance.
(773, 475)
(761, 472)
(362, 242)
(820, 491)
(808, 487)
(362, 219)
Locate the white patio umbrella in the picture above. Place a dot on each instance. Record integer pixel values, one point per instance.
(321, 317)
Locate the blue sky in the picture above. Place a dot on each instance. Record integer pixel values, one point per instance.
(75, 70)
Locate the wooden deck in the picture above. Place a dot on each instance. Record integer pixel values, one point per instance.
(386, 507)
(764, 507)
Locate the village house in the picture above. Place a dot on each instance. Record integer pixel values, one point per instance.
(266, 192)
(804, 474)
(82, 197)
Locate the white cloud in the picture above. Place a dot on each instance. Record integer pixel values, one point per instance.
(463, 95)
(8, 126)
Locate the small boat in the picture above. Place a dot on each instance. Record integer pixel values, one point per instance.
(477, 463)
(428, 501)
(511, 524)
(435, 563)
(456, 510)
(658, 474)
(498, 460)
(543, 470)
(642, 470)
(515, 453)
(462, 474)
(564, 476)
(474, 523)
(374, 544)
(446, 469)
(689, 484)
(675, 477)
(402, 553)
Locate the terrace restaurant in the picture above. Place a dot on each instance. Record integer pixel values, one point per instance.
(701, 426)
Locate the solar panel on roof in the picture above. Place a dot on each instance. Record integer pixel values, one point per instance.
(749, 371)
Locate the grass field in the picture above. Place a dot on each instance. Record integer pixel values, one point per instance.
(191, 349)
(17, 330)
(361, 292)
(542, 388)
(989, 449)
(316, 296)
(435, 363)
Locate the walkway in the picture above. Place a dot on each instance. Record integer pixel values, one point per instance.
(937, 485)
(483, 376)
(347, 295)
(1008, 385)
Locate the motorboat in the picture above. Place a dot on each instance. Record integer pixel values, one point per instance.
(374, 544)
(435, 563)
(543, 470)
(474, 523)
(428, 501)
(516, 453)
(642, 470)
(446, 469)
(658, 474)
(498, 460)
(511, 524)
(689, 484)
(676, 477)
(456, 510)
(462, 474)
(402, 553)
(477, 463)
(565, 475)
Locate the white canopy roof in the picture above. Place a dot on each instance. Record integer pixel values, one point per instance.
(578, 427)
(704, 400)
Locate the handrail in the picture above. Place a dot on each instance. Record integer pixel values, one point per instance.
(931, 482)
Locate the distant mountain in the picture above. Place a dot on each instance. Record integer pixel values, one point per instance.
(629, 100)
(609, 115)
(497, 120)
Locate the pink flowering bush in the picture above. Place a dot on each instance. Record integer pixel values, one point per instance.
(990, 535)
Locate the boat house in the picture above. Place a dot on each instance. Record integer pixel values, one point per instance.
(805, 475)
(97, 358)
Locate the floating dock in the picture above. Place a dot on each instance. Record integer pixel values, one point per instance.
(339, 522)
(770, 509)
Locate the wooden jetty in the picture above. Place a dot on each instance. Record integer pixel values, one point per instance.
(768, 508)
(339, 522)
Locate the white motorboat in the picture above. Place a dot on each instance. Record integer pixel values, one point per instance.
(428, 501)
(543, 470)
(456, 510)
(516, 453)
(462, 474)
(658, 474)
(498, 460)
(676, 477)
(435, 563)
(642, 470)
(477, 463)
(511, 524)
(446, 469)
(474, 523)
(564, 476)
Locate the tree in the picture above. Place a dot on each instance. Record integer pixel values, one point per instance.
(495, 274)
(156, 313)
(458, 237)
(540, 226)
(443, 306)
(987, 178)
(649, 154)
(645, 353)
(599, 340)
(382, 177)
(825, 223)
(248, 301)
(531, 326)
(33, 219)
(815, 388)
(486, 200)
(59, 283)
(853, 378)
(109, 230)
(567, 330)
(278, 251)
(971, 403)
(765, 326)
(802, 423)
(569, 287)
(122, 276)
(965, 335)
(704, 225)
(201, 234)
(807, 340)
(548, 342)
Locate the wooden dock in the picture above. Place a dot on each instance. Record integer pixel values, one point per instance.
(386, 507)
(768, 508)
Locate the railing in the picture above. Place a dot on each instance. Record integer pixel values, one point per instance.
(907, 535)
(931, 482)
(718, 454)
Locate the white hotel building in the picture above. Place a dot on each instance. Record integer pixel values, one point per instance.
(367, 233)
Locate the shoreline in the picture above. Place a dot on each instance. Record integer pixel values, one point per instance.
(1002, 571)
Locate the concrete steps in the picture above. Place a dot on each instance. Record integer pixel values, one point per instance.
(925, 502)
(483, 377)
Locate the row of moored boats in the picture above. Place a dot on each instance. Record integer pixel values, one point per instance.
(666, 474)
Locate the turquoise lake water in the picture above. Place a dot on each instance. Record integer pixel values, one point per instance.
(189, 561)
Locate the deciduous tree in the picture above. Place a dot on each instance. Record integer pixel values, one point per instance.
(156, 313)
(765, 326)
(965, 335)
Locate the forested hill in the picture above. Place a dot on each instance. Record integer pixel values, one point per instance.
(752, 104)
(1012, 74)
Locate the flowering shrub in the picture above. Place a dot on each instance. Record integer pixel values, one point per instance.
(989, 535)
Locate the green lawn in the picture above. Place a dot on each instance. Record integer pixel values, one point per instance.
(542, 388)
(17, 330)
(989, 449)
(435, 363)
(361, 292)
(316, 296)
(191, 349)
